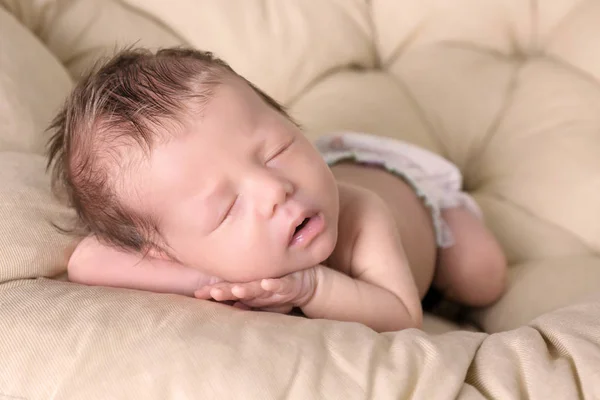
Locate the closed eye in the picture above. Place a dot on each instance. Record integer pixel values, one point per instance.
(229, 210)
(280, 150)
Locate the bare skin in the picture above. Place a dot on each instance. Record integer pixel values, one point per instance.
(472, 272)
(411, 218)
(230, 194)
(472, 275)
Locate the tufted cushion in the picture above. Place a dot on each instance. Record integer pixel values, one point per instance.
(32, 86)
(484, 85)
(506, 89)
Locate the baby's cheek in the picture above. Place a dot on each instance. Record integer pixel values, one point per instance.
(266, 264)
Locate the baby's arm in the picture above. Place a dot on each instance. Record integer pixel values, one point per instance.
(93, 263)
(381, 293)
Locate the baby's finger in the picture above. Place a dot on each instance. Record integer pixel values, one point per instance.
(247, 290)
(222, 292)
(261, 296)
(203, 293)
(272, 285)
(273, 300)
(283, 285)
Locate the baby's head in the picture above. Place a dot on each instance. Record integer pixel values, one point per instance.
(175, 155)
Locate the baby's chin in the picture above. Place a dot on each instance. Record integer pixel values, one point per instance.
(321, 250)
(285, 264)
(316, 256)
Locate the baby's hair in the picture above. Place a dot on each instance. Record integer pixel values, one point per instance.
(125, 107)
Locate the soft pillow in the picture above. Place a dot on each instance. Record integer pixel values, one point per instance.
(511, 94)
(32, 86)
(514, 107)
(79, 33)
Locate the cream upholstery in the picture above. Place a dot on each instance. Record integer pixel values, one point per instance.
(508, 90)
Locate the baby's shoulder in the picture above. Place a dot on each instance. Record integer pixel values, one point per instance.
(358, 204)
(360, 209)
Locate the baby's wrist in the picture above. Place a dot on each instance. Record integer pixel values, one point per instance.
(316, 275)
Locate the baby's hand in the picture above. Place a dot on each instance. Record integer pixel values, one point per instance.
(275, 295)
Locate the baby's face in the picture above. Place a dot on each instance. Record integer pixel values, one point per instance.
(242, 194)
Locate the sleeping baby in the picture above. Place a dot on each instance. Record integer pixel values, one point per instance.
(188, 179)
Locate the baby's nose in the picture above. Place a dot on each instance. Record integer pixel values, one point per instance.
(272, 193)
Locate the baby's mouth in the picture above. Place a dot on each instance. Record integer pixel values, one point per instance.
(302, 225)
(307, 230)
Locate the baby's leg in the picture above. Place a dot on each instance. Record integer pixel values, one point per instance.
(473, 270)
